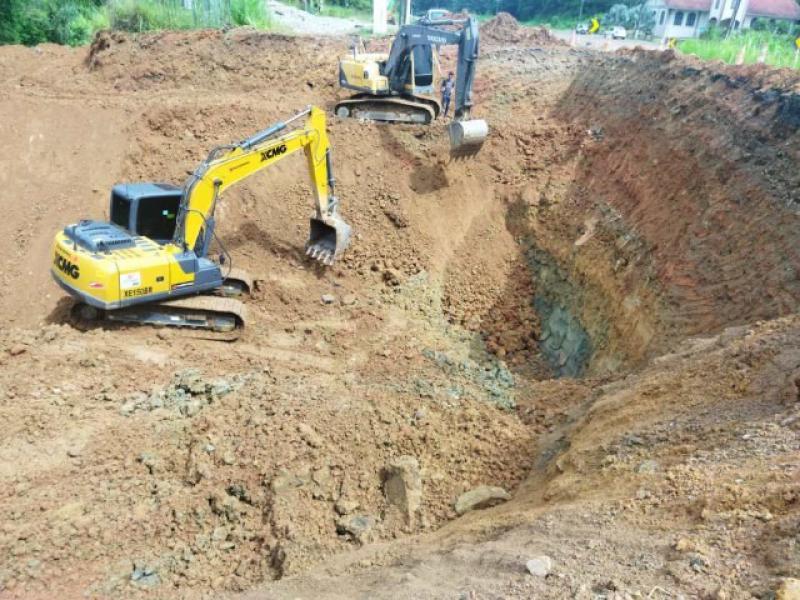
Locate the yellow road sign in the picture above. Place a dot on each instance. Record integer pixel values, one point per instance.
(797, 43)
(595, 26)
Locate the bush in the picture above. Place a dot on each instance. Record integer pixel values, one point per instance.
(146, 15)
(61, 21)
(250, 12)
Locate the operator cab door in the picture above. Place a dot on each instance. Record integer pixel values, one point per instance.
(423, 68)
(156, 217)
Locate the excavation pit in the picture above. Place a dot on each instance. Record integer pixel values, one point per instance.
(583, 316)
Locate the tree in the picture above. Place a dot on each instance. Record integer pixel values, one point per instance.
(645, 19)
(618, 15)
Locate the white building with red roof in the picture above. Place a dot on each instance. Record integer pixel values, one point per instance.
(689, 18)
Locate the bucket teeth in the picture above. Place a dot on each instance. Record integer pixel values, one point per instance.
(323, 255)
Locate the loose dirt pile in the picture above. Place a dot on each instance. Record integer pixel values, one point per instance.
(631, 223)
(505, 29)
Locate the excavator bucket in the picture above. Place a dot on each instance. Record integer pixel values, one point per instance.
(467, 137)
(329, 237)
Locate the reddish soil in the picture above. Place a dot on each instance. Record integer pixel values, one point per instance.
(651, 199)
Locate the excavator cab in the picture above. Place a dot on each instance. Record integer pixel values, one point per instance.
(146, 209)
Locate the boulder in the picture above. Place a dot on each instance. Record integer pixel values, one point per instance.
(357, 526)
(402, 486)
(540, 566)
(483, 496)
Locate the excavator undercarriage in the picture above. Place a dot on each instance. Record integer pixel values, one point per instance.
(394, 109)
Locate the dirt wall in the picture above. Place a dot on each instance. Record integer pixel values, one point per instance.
(681, 216)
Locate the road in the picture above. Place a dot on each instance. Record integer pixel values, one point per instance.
(300, 22)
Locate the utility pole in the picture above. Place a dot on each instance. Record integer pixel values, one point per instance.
(580, 12)
(379, 17)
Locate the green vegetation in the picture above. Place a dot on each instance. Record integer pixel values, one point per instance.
(555, 21)
(74, 22)
(780, 48)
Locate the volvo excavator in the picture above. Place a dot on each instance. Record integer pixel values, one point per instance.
(402, 86)
(151, 264)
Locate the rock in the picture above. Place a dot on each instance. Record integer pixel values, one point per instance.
(145, 575)
(348, 299)
(344, 506)
(402, 486)
(392, 277)
(328, 299)
(647, 467)
(17, 349)
(73, 452)
(540, 566)
(309, 436)
(285, 482)
(789, 589)
(191, 407)
(483, 496)
(357, 526)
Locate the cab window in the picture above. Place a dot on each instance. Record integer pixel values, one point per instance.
(156, 217)
(120, 211)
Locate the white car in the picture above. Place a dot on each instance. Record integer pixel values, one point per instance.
(435, 14)
(619, 33)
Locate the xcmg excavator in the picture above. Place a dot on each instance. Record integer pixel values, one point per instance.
(402, 86)
(151, 263)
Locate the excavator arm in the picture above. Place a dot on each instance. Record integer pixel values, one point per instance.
(466, 136)
(429, 33)
(228, 165)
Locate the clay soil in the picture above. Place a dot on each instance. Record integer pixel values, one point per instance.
(651, 199)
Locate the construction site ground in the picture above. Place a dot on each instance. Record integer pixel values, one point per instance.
(596, 314)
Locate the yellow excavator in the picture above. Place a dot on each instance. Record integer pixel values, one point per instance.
(151, 263)
(401, 86)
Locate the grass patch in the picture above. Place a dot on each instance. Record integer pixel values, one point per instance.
(780, 49)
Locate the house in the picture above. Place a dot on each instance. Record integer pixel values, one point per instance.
(689, 18)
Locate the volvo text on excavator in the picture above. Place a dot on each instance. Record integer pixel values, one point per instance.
(402, 86)
(151, 263)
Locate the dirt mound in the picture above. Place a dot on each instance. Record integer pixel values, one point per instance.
(505, 29)
(246, 59)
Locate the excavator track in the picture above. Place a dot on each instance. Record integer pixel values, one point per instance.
(237, 282)
(388, 109)
(209, 313)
